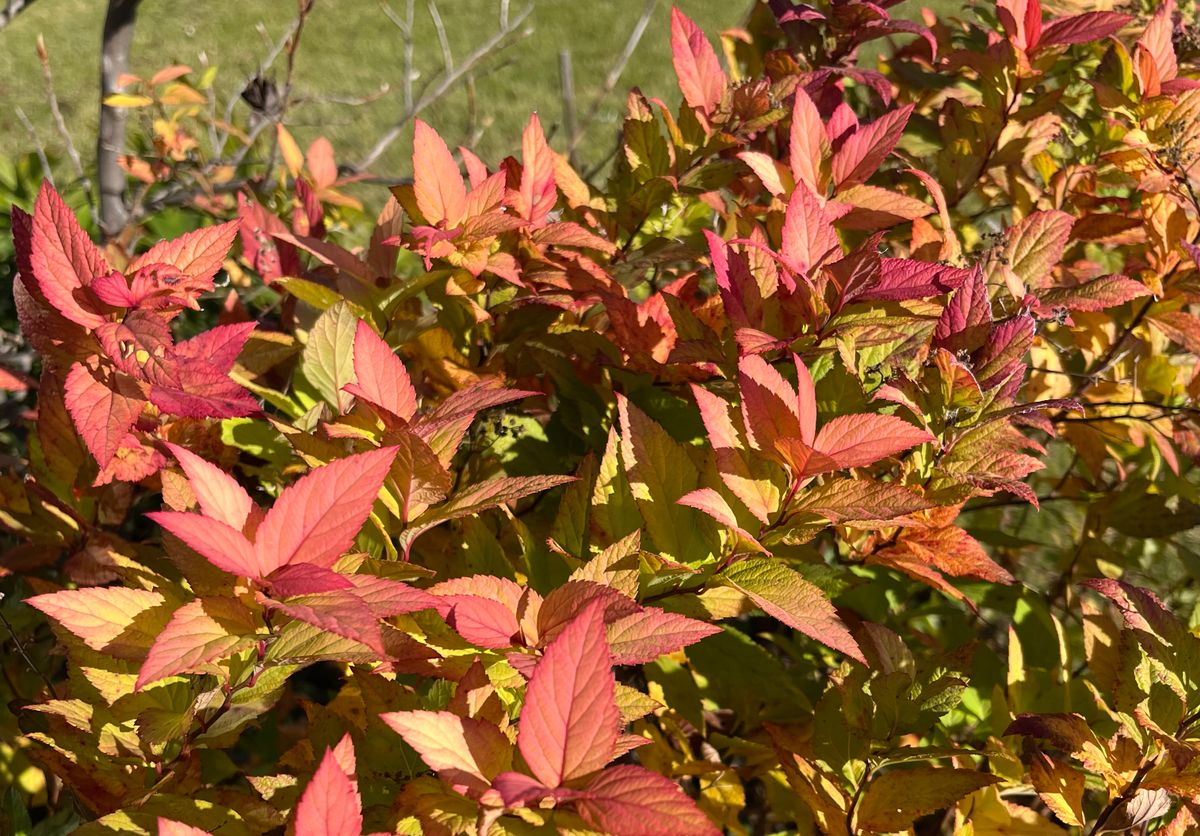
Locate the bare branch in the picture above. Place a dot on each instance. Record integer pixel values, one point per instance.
(566, 77)
(503, 37)
(37, 145)
(60, 123)
(443, 39)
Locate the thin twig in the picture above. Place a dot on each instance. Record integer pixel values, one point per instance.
(21, 649)
(566, 80)
(37, 145)
(60, 123)
(439, 87)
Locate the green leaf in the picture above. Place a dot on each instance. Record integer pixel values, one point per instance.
(897, 798)
(328, 357)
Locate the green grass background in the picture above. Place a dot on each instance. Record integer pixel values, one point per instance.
(350, 49)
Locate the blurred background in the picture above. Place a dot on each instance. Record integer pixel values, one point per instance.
(349, 72)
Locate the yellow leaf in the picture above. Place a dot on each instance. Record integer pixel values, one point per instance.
(128, 100)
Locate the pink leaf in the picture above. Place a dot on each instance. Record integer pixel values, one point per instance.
(570, 721)
(701, 79)
(808, 233)
(464, 751)
(632, 801)
(64, 259)
(316, 519)
(380, 377)
(217, 347)
(807, 143)
(203, 631)
(538, 193)
(219, 494)
(642, 637)
(481, 621)
(167, 827)
(198, 254)
(98, 615)
(437, 184)
(860, 440)
(770, 407)
(712, 503)
(220, 544)
(865, 150)
(330, 805)
(305, 579)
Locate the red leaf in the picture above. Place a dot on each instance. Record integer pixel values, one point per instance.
(437, 184)
(340, 612)
(633, 801)
(103, 410)
(330, 805)
(380, 377)
(316, 519)
(903, 278)
(200, 632)
(701, 79)
(219, 494)
(198, 255)
(967, 318)
(464, 751)
(217, 347)
(305, 579)
(712, 503)
(864, 150)
(482, 609)
(1084, 28)
(860, 440)
(1095, 295)
(570, 721)
(538, 193)
(64, 259)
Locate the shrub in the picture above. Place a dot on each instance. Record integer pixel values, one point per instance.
(697, 502)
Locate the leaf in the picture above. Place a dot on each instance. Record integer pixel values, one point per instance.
(1036, 244)
(379, 377)
(103, 409)
(631, 800)
(903, 278)
(538, 193)
(1059, 786)
(64, 259)
(1083, 28)
(330, 805)
(771, 409)
(783, 594)
(316, 519)
(570, 723)
(642, 637)
(203, 631)
(167, 827)
(897, 798)
(218, 493)
(854, 500)
(98, 615)
(464, 751)
(701, 79)
(220, 544)
(808, 235)
(660, 473)
(861, 440)
(328, 356)
(437, 184)
(808, 147)
(198, 254)
(864, 150)
(1095, 295)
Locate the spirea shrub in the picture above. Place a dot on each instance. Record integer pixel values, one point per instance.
(704, 500)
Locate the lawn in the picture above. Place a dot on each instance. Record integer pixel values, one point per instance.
(350, 49)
